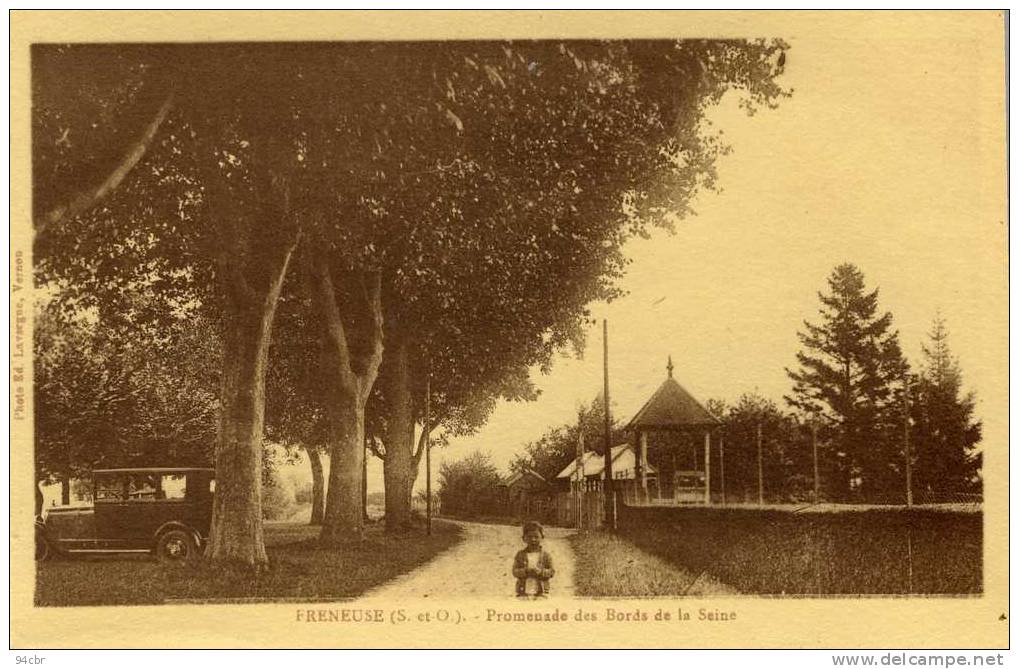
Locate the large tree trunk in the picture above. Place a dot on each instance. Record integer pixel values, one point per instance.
(344, 517)
(318, 498)
(399, 469)
(350, 383)
(65, 490)
(236, 533)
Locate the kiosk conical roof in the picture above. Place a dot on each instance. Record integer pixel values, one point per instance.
(671, 407)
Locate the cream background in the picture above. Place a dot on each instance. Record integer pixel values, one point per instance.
(890, 154)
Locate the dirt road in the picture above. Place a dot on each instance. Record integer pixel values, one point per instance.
(481, 566)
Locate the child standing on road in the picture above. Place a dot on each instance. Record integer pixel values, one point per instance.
(532, 566)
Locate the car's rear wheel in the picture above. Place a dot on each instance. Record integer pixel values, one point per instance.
(176, 546)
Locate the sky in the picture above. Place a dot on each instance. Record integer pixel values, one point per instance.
(889, 155)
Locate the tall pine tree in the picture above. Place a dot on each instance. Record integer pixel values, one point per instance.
(944, 433)
(850, 376)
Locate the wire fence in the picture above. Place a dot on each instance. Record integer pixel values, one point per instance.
(586, 509)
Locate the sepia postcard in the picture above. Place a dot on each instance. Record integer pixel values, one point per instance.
(509, 329)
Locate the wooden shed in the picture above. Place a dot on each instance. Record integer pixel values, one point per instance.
(522, 487)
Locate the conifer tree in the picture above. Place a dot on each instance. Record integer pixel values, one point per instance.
(850, 376)
(944, 432)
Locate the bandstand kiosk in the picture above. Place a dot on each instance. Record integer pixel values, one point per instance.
(674, 410)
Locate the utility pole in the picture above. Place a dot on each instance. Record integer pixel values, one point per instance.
(580, 475)
(642, 460)
(707, 467)
(364, 479)
(817, 477)
(428, 451)
(905, 438)
(608, 486)
(760, 467)
(721, 463)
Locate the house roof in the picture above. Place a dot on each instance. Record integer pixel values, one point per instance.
(594, 463)
(671, 407)
(516, 476)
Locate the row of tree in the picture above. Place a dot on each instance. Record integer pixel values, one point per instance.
(854, 395)
(873, 411)
(426, 215)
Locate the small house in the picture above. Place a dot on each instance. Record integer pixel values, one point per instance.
(521, 487)
(592, 469)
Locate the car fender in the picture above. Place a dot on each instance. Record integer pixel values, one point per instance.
(42, 533)
(176, 525)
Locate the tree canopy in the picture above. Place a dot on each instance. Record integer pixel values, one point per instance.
(557, 447)
(465, 201)
(108, 394)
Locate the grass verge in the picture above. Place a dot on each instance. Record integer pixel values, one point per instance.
(610, 566)
(299, 570)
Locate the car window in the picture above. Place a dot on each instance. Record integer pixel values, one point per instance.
(143, 488)
(173, 486)
(110, 488)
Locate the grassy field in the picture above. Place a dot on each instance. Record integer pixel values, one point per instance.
(299, 569)
(610, 566)
(892, 551)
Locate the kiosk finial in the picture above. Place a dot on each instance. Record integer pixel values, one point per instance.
(669, 367)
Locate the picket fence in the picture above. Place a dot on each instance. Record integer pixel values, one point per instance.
(566, 509)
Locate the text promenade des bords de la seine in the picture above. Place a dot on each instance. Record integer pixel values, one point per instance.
(491, 615)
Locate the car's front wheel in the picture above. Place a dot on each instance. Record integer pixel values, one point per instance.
(176, 546)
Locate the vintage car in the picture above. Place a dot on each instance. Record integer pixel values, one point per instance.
(164, 511)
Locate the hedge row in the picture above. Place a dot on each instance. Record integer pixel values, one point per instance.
(893, 551)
